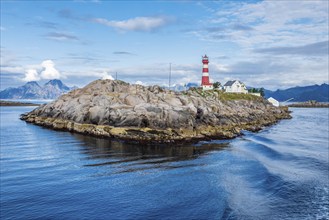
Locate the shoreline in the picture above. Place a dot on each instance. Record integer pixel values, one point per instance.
(148, 135)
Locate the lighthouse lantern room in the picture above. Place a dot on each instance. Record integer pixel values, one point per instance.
(205, 83)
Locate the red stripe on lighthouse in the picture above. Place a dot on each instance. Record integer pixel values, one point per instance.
(205, 80)
(205, 76)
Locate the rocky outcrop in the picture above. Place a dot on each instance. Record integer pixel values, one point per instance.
(133, 112)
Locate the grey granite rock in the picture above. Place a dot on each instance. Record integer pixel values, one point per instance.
(118, 109)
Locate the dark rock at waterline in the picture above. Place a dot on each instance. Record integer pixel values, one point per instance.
(133, 112)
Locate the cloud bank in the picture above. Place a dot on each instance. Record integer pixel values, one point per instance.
(275, 44)
(267, 23)
(31, 75)
(317, 49)
(49, 71)
(107, 76)
(45, 70)
(138, 82)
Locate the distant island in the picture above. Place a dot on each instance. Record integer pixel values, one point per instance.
(11, 103)
(117, 109)
(310, 104)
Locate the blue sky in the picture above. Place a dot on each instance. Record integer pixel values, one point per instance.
(271, 44)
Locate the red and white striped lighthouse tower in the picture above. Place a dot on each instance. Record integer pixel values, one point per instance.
(205, 83)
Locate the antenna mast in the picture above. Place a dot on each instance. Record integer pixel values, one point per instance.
(169, 75)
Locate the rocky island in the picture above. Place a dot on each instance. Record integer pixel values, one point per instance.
(116, 109)
(13, 103)
(310, 104)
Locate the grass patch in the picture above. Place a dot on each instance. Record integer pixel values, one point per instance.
(203, 93)
(223, 96)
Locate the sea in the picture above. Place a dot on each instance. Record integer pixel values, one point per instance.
(281, 172)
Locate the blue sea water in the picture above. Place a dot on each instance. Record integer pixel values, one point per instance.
(281, 172)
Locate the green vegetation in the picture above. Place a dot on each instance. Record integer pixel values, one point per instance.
(207, 93)
(120, 82)
(255, 90)
(224, 96)
(198, 90)
(216, 85)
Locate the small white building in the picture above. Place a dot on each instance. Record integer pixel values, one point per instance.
(235, 86)
(207, 87)
(274, 102)
(255, 94)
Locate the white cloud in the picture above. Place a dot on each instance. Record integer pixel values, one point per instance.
(135, 24)
(220, 67)
(107, 76)
(103, 73)
(31, 75)
(58, 36)
(32, 72)
(276, 72)
(138, 82)
(12, 69)
(49, 72)
(269, 23)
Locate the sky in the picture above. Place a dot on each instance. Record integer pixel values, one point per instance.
(270, 44)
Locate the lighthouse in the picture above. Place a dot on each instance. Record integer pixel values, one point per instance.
(206, 85)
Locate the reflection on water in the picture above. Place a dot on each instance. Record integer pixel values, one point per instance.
(135, 157)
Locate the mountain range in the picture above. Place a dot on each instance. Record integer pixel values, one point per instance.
(32, 90)
(54, 88)
(318, 93)
(181, 87)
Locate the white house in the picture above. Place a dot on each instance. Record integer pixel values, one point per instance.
(235, 86)
(274, 102)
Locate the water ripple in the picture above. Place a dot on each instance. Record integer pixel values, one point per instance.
(279, 173)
